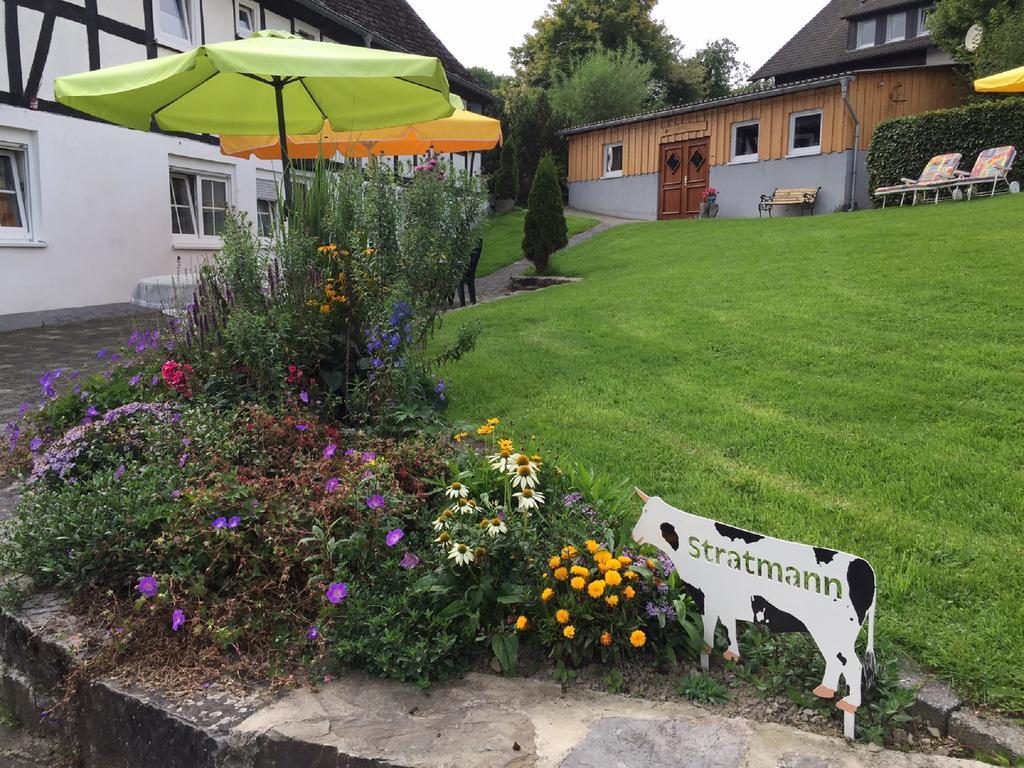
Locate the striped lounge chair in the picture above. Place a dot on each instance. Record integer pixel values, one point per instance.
(991, 167)
(936, 176)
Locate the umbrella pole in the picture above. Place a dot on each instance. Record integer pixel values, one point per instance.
(283, 138)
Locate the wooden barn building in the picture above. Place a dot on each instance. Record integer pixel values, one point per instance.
(855, 64)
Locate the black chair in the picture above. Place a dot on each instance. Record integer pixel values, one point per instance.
(469, 278)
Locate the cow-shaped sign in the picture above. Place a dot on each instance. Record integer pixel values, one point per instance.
(735, 575)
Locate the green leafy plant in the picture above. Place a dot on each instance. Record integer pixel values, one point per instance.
(545, 231)
(698, 686)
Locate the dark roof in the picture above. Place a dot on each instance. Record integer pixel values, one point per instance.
(396, 24)
(697, 106)
(822, 43)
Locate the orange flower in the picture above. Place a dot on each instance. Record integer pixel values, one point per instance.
(637, 638)
(547, 594)
(522, 623)
(629, 592)
(554, 562)
(612, 600)
(562, 616)
(613, 578)
(596, 589)
(460, 436)
(569, 632)
(561, 574)
(591, 546)
(578, 583)
(606, 639)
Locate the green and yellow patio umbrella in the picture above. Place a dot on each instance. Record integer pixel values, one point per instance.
(1011, 81)
(272, 82)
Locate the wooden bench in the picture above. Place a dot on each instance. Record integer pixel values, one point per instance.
(804, 197)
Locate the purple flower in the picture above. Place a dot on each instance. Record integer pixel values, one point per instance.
(36, 444)
(182, 459)
(154, 381)
(176, 493)
(312, 633)
(302, 427)
(134, 381)
(177, 619)
(376, 362)
(234, 522)
(376, 502)
(332, 485)
(186, 441)
(148, 586)
(439, 389)
(409, 561)
(329, 451)
(115, 357)
(46, 383)
(254, 504)
(337, 592)
(101, 354)
(351, 453)
(220, 523)
(394, 536)
(304, 396)
(92, 412)
(368, 456)
(23, 409)
(118, 472)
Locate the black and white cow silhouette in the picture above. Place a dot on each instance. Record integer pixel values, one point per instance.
(735, 575)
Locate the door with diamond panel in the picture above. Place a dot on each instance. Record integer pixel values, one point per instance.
(672, 197)
(695, 179)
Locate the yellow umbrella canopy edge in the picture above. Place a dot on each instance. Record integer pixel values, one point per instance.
(1011, 81)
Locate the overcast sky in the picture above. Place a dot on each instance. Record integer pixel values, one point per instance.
(480, 32)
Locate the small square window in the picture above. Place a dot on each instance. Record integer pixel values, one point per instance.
(199, 204)
(744, 141)
(13, 204)
(612, 160)
(865, 33)
(923, 16)
(174, 20)
(266, 217)
(805, 133)
(246, 23)
(896, 27)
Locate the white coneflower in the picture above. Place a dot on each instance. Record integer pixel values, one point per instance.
(495, 527)
(461, 554)
(529, 498)
(524, 473)
(438, 524)
(462, 505)
(456, 491)
(504, 461)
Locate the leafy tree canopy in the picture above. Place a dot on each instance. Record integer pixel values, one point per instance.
(605, 85)
(1002, 45)
(488, 79)
(723, 72)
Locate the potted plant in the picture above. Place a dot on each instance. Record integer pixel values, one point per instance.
(709, 206)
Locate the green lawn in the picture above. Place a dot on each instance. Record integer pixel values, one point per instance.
(503, 239)
(851, 380)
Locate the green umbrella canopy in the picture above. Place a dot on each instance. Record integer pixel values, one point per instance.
(233, 88)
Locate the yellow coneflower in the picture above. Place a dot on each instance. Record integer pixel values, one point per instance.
(458, 437)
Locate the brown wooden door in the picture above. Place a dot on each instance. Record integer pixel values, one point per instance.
(670, 200)
(695, 180)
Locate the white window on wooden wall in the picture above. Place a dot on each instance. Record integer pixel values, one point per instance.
(745, 138)
(612, 160)
(805, 133)
(176, 23)
(896, 27)
(247, 19)
(865, 33)
(199, 205)
(14, 205)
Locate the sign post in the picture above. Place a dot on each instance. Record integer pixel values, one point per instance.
(736, 575)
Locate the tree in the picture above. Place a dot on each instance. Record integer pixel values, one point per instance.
(530, 119)
(545, 230)
(605, 85)
(506, 180)
(489, 80)
(723, 72)
(1002, 44)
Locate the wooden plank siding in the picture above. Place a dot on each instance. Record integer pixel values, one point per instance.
(875, 97)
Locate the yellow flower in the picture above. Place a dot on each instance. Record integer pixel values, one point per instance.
(591, 546)
(651, 565)
(369, 251)
(562, 616)
(613, 563)
(325, 309)
(602, 556)
(629, 592)
(460, 436)
(612, 600)
(547, 594)
(522, 623)
(579, 570)
(596, 589)
(613, 578)
(632, 575)
(578, 583)
(561, 574)
(569, 551)
(606, 638)
(486, 429)
(554, 562)
(569, 632)
(505, 444)
(493, 422)
(345, 253)
(625, 560)
(637, 638)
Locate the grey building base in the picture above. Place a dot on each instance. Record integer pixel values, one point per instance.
(629, 197)
(740, 186)
(19, 320)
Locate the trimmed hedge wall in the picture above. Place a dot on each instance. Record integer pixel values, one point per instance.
(903, 146)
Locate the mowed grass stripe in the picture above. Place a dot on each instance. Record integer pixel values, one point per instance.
(855, 381)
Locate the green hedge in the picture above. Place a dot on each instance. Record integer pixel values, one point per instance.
(902, 146)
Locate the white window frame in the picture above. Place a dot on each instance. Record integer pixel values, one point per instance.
(606, 161)
(870, 42)
(308, 31)
(199, 174)
(23, 148)
(804, 151)
(749, 158)
(922, 20)
(274, 217)
(18, 159)
(254, 17)
(170, 40)
(889, 20)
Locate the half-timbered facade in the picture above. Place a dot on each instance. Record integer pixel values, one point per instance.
(857, 63)
(88, 208)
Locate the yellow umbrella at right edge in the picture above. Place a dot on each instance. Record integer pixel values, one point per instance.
(1011, 81)
(464, 131)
